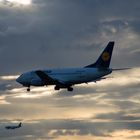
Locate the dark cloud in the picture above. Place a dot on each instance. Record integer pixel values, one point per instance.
(46, 32)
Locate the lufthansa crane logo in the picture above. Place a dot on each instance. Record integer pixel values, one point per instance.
(105, 56)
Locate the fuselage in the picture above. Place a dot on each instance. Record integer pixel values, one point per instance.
(70, 76)
(13, 127)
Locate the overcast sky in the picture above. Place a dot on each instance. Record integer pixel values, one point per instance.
(42, 34)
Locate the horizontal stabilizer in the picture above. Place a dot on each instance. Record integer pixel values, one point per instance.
(121, 69)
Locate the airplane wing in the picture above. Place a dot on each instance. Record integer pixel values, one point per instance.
(47, 79)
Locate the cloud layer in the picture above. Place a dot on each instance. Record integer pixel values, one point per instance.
(103, 110)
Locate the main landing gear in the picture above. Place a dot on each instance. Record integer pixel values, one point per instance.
(68, 88)
(56, 88)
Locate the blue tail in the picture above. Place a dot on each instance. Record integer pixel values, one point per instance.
(104, 60)
(19, 124)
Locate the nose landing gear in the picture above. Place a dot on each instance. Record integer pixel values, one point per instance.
(28, 89)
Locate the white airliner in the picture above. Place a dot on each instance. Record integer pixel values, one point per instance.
(14, 127)
(66, 78)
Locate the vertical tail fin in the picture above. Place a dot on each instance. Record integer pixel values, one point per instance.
(19, 124)
(104, 60)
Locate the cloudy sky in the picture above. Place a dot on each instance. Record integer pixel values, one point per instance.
(70, 33)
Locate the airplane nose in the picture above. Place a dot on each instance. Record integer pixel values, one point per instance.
(24, 79)
(19, 80)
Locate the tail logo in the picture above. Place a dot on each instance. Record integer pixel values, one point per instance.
(105, 56)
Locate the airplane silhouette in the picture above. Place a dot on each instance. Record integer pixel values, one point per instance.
(66, 78)
(14, 127)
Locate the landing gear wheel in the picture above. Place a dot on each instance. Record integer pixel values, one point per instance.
(70, 89)
(57, 88)
(28, 89)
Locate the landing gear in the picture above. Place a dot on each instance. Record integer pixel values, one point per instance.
(57, 88)
(28, 89)
(70, 89)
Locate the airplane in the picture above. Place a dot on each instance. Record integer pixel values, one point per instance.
(66, 78)
(14, 127)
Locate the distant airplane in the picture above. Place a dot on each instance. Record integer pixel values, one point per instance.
(14, 127)
(66, 78)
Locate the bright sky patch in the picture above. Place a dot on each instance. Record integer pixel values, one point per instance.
(24, 2)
